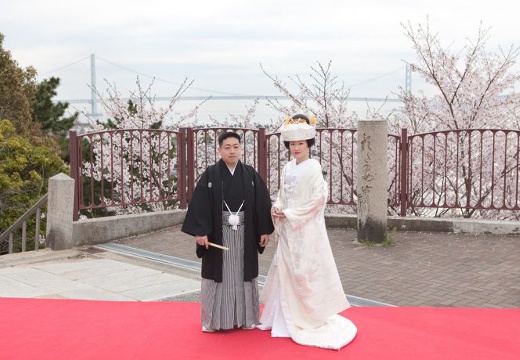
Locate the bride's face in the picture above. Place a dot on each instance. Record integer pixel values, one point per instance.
(299, 150)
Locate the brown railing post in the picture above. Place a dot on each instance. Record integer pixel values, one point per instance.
(181, 168)
(404, 171)
(74, 150)
(262, 154)
(190, 163)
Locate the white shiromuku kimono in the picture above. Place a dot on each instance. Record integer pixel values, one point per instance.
(303, 293)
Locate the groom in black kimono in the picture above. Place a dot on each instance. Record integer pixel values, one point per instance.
(230, 207)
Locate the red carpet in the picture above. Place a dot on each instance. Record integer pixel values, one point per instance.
(40, 329)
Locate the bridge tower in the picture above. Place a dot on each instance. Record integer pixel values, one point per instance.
(408, 79)
(93, 89)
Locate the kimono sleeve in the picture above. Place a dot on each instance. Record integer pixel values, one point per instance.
(264, 223)
(198, 220)
(278, 204)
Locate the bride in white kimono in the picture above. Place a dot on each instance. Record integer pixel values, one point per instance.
(303, 293)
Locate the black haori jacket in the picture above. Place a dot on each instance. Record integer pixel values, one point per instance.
(204, 217)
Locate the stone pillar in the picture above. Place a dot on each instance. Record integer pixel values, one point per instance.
(372, 140)
(60, 207)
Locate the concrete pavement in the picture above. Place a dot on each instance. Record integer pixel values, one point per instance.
(90, 274)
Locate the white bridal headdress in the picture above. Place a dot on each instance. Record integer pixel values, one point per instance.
(298, 129)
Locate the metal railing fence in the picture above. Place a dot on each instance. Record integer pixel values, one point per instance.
(17, 237)
(452, 172)
(126, 168)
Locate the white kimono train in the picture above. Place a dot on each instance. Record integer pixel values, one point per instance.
(303, 292)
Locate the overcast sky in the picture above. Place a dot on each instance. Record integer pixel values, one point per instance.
(221, 43)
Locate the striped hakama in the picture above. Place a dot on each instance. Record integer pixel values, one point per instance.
(233, 302)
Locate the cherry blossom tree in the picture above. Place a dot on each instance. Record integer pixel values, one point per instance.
(325, 97)
(139, 161)
(473, 89)
(322, 96)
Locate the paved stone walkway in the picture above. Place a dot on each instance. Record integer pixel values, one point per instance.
(418, 269)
